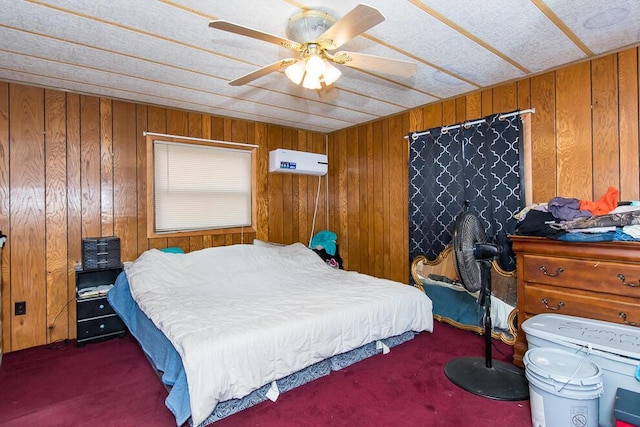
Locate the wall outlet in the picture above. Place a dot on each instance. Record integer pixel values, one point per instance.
(20, 308)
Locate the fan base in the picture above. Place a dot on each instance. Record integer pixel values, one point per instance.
(502, 381)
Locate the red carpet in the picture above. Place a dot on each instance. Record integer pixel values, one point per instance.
(112, 384)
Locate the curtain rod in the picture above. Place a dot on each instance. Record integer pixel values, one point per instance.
(444, 129)
(145, 133)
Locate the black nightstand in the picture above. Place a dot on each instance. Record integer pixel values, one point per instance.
(96, 320)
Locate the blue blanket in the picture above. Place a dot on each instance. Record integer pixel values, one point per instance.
(157, 347)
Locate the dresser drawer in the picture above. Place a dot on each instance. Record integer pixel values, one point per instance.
(100, 326)
(549, 299)
(93, 307)
(598, 276)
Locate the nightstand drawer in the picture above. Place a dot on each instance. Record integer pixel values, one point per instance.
(100, 326)
(93, 307)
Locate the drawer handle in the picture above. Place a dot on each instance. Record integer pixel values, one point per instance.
(546, 273)
(556, 308)
(623, 316)
(631, 285)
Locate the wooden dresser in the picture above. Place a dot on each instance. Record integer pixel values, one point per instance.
(593, 280)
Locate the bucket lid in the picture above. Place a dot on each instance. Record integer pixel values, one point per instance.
(604, 336)
(562, 366)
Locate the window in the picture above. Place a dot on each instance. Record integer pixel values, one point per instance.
(198, 186)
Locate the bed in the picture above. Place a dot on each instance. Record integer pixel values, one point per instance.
(232, 326)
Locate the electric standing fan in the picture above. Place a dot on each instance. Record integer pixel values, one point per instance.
(484, 377)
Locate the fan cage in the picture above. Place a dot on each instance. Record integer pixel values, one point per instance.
(467, 232)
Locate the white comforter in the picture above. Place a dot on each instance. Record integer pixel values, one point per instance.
(242, 316)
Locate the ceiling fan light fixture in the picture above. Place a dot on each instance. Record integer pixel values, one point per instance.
(308, 25)
(315, 66)
(311, 82)
(331, 73)
(295, 71)
(313, 72)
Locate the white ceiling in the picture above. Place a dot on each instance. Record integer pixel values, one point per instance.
(162, 52)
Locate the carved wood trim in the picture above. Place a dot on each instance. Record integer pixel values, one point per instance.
(444, 265)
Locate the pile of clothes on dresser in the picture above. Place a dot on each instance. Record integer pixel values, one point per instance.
(576, 220)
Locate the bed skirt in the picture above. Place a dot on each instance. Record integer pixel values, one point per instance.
(315, 371)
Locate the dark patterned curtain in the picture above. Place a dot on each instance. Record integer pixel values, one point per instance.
(477, 163)
(435, 190)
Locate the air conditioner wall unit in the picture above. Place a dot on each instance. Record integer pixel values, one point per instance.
(298, 162)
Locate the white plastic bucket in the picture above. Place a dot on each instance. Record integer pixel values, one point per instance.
(615, 348)
(564, 388)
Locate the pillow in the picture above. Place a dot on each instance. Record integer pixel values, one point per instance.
(258, 242)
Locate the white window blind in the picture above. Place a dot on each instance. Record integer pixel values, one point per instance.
(199, 187)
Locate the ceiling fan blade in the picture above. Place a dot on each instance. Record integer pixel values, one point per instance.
(256, 34)
(359, 20)
(376, 63)
(262, 72)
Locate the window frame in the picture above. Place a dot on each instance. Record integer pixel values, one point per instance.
(150, 169)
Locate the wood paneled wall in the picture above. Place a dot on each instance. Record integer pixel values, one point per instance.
(73, 166)
(584, 139)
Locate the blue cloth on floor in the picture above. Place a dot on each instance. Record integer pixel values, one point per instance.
(325, 239)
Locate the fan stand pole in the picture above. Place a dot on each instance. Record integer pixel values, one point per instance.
(485, 299)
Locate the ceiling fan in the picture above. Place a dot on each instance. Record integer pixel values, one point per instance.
(314, 34)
